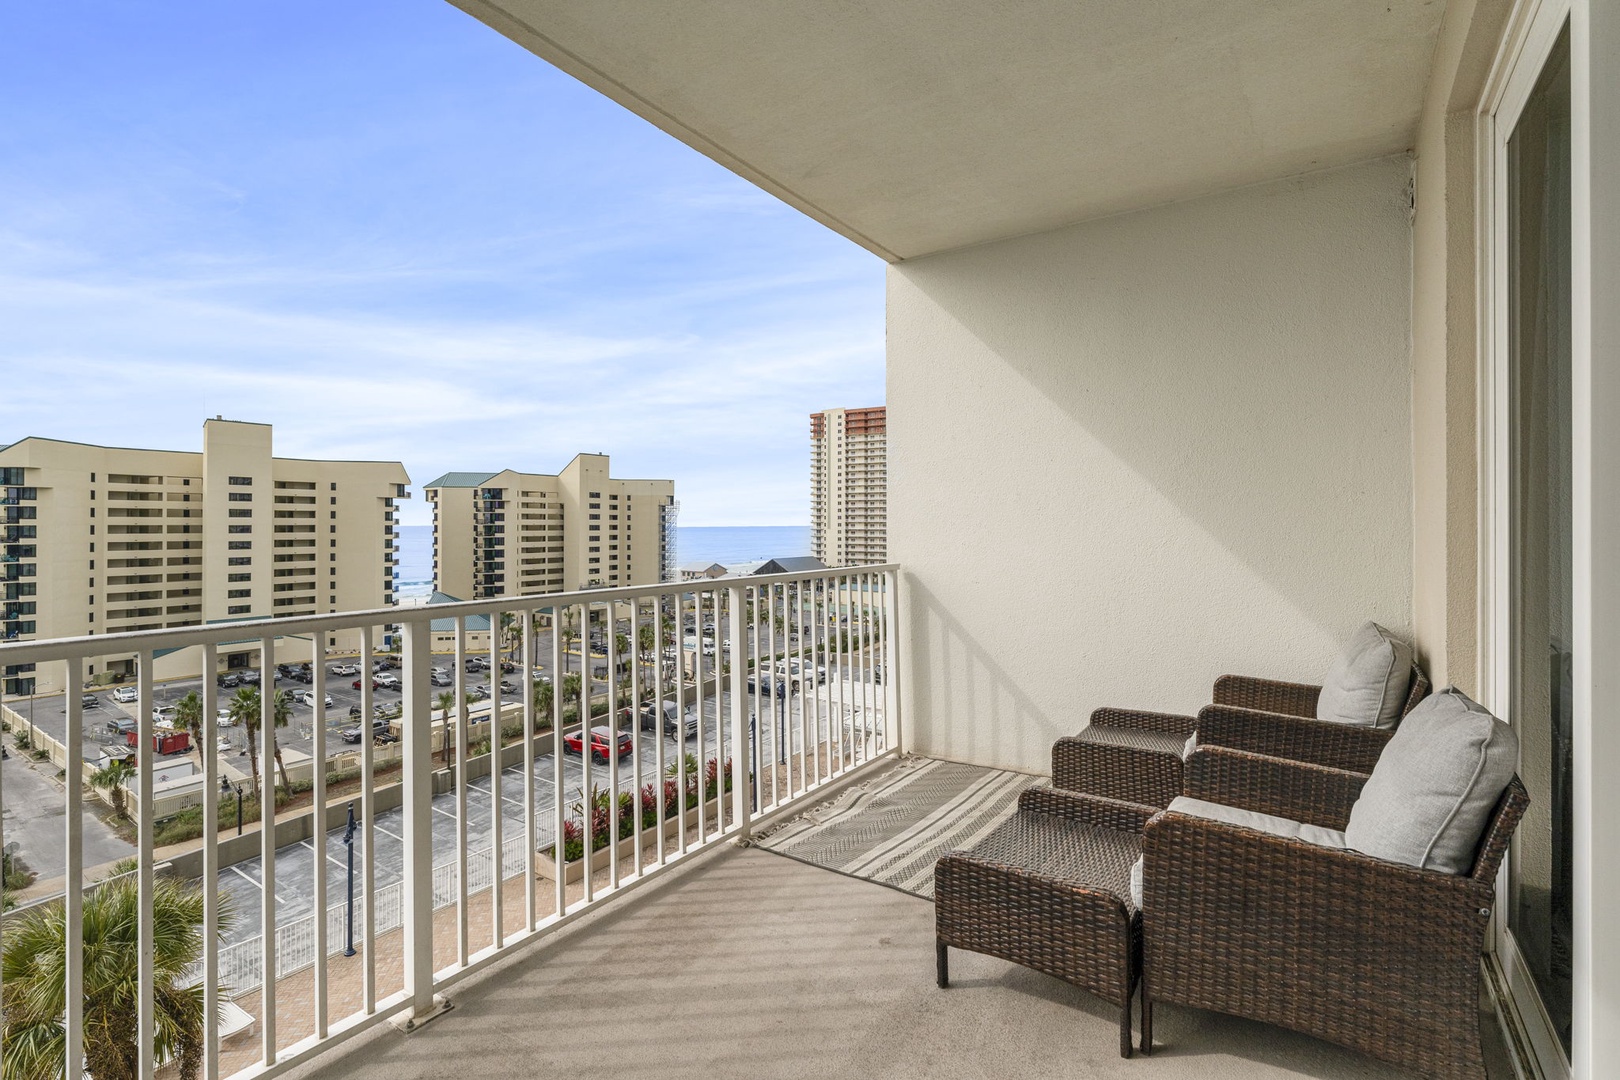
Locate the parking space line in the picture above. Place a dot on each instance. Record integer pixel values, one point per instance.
(238, 871)
(386, 832)
(437, 809)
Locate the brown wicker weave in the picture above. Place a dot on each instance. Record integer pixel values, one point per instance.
(1124, 754)
(1050, 889)
(1373, 955)
(1295, 699)
(1136, 756)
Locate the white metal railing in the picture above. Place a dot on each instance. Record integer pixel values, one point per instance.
(819, 651)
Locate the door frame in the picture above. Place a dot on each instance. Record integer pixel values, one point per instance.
(1531, 33)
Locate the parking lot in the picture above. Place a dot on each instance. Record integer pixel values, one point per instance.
(47, 714)
(294, 882)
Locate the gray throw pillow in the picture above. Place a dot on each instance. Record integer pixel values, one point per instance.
(1367, 685)
(1435, 785)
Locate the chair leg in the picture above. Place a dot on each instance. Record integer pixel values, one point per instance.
(1147, 1022)
(1125, 1030)
(942, 963)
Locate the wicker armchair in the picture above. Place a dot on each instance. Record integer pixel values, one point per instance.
(1136, 756)
(1373, 955)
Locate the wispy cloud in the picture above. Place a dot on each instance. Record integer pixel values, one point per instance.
(410, 240)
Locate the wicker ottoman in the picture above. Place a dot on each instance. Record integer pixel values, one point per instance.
(1124, 754)
(1050, 889)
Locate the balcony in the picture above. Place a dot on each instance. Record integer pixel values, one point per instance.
(427, 905)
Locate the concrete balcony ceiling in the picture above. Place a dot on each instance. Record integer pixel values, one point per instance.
(921, 127)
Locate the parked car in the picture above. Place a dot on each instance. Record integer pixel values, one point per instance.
(602, 740)
(224, 719)
(125, 695)
(540, 676)
(673, 725)
(345, 669)
(508, 687)
(163, 714)
(302, 673)
(379, 730)
(767, 685)
(307, 697)
(122, 726)
(477, 663)
(89, 701)
(441, 677)
(230, 681)
(479, 693)
(386, 682)
(249, 677)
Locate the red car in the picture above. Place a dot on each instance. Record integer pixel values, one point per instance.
(601, 740)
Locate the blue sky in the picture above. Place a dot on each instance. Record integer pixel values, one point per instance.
(394, 234)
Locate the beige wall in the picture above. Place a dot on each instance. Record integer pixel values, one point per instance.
(1445, 350)
(1131, 455)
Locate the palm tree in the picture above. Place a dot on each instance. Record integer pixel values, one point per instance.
(110, 778)
(244, 709)
(445, 702)
(34, 959)
(281, 704)
(188, 716)
(545, 696)
(647, 638)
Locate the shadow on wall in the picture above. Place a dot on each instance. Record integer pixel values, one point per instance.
(1001, 722)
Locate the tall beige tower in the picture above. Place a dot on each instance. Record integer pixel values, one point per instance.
(849, 493)
(518, 534)
(104, 539)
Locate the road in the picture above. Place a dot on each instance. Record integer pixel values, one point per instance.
(35, 810)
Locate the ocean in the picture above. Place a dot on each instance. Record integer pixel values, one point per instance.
(413, 576)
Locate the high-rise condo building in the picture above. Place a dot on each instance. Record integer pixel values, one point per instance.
(517, 534)
(103, 539)
(849, 492)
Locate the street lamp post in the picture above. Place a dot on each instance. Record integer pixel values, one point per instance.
(348, 838)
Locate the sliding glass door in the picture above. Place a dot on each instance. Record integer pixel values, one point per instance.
(1538, 262)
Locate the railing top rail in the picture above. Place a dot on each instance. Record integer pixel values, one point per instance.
(253, 630)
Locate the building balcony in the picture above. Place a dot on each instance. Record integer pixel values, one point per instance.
(834, 974)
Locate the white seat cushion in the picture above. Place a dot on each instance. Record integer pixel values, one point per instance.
(1435, 785)
(1367, 685)
(1249, 819)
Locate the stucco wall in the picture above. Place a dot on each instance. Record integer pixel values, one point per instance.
(1131, 455)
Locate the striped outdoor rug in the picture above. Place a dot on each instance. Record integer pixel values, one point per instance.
(891, 829)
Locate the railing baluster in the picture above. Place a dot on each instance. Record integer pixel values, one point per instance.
(636, 698)
(463, 949)
(417, 811)
(586, 795)
(317, 672)
(267, 844)
(742, 755)
(658, 724)
(497, 669)
(530, 914)
(558, 803)
(368, 831)
(145, 989)
(680, 698)
(73, 883)
(612, 637)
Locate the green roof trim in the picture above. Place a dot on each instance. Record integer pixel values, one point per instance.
(461, 480)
